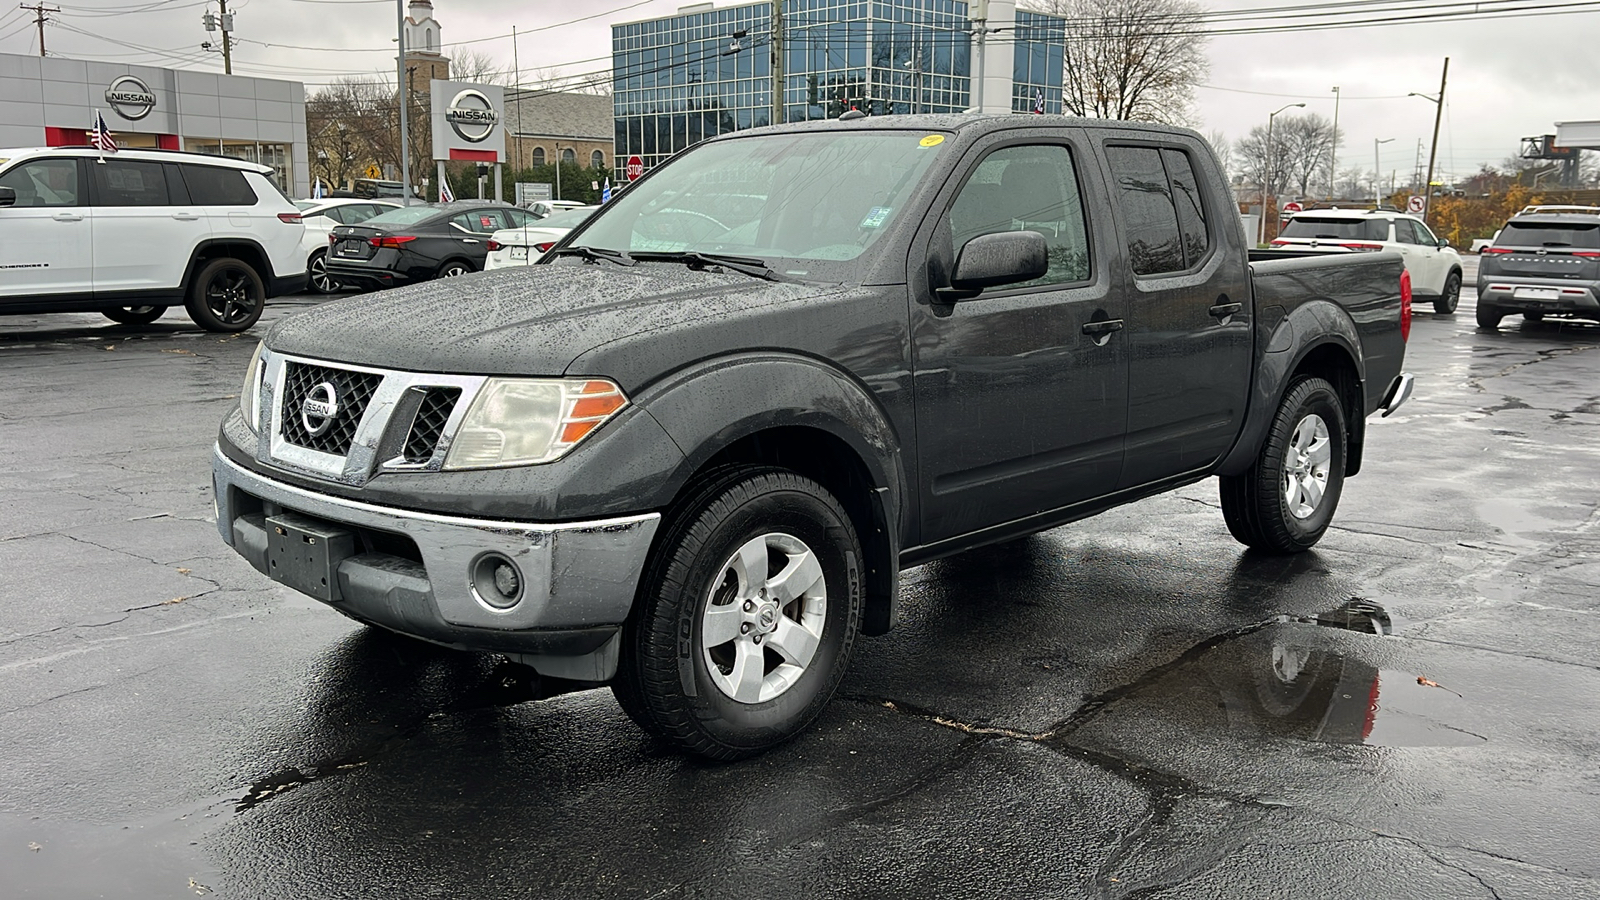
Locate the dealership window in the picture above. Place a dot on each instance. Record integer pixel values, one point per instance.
(276, 156)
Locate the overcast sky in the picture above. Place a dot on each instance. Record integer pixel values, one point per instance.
(1509, 77)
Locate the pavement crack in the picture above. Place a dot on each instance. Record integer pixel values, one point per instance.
(1544, 356)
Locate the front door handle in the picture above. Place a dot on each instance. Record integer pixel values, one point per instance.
(67, 217)
(1105, 326)
(185, 216)
(469, 240)
(1224, 310)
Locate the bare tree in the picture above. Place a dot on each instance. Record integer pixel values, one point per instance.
(354, 123)
(1306, 142)
(1223, 150)
(1255, 162)
(478, 66)
(1131, 59)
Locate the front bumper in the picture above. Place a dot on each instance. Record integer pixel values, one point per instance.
(414, 572)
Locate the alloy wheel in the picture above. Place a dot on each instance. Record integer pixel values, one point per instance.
(1305, 467)
(762, 622)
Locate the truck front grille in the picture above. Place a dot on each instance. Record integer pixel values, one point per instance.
(428, 426)
(352, 392)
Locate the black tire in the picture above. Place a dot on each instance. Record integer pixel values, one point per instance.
(134, 315)
(455, 268)
(317, 275)
(1533, 317)
(1447, 302)
(664, 680)
(1489, 317)
(1255, 505)
(227, 296)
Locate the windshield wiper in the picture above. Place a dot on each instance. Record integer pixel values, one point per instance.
(619, 257)
(756, 268)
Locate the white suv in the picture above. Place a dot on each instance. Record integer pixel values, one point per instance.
(1434, 265)
(131, 233)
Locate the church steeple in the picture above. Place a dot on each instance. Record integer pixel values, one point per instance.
(424, 44)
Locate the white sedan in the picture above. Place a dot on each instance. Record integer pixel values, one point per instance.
(319, 217)
(523, 246)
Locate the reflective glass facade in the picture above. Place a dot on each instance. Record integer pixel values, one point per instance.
(683, 78)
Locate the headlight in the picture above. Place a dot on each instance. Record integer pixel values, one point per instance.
(521, 421)
(250, 394)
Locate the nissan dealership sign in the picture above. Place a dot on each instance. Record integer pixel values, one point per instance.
(131, 98)
(467, 121)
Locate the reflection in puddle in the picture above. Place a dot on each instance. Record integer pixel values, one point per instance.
(1290, 681)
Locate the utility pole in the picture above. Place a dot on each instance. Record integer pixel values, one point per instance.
(404, 96)
(516, 85)
(1333, 151)
(779, 81)
(224, 21)
(1427, 196)
(39, 18)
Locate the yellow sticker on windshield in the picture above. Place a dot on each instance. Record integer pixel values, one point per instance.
(932, 140)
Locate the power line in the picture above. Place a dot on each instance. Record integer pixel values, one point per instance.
(40, 18)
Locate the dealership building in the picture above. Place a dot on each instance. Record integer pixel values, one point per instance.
(51, 101)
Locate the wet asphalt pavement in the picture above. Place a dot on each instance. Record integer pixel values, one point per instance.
(1131, 706)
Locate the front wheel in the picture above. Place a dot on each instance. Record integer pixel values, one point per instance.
(746, 617)
(1446, 304)
(1284, 503)
(226, 296)
(1489, 317)
(134, 315)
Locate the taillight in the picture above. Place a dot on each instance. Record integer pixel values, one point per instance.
(495, 245)
(1405, 306)
(1280, 243)
(291, 218)
(1590, 254)
(1495, 250)
(544, 246)
(391, 241)
(1361, 245)
(333, 239)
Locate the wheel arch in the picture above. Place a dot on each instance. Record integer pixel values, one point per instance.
(248, 252)
(802, 415)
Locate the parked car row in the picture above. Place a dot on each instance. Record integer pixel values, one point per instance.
(1434, 265)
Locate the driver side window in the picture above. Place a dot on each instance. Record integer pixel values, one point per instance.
(45, 182)
(1030, 188)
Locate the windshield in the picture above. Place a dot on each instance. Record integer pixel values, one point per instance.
(405, 215)
(1583, 235)
(806, 203)
(1330, 228)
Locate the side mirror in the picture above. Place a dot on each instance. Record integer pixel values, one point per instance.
(992, 260)
(8, 196)
(1444, 242)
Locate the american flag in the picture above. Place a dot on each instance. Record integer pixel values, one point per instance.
(445, 194)
(1038, 102)
(100, 136)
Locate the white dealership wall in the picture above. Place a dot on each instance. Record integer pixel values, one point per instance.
(47, 101)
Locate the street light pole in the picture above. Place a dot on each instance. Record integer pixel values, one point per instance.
(1377, 175)
(405, 101)
(1266, 194)
(1333, 150)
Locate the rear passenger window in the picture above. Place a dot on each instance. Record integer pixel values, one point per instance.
(45, 182)
(1155, 242)
(217, 186)
(1191, 211)
(129, 183)
(1032, 188)
(1403, 233)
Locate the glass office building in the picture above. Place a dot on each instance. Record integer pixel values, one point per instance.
(705, 71)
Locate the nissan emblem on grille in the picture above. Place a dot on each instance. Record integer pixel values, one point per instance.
(320, 408)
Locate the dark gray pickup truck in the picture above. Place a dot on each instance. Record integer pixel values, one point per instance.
(689, 453)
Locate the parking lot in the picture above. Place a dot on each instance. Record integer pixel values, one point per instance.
(1130, 706)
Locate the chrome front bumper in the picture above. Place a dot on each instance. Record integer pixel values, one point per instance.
(413, 572)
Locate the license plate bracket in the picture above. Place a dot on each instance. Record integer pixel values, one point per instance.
(1530, 293)
(305, 553)
(519, 252)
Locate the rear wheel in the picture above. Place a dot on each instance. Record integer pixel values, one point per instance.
(1446, 304)
(321, 281)
(1284, 503)
(226, 296)
(454, 269)
(1489, 317)
(134, 315)
(746, 617)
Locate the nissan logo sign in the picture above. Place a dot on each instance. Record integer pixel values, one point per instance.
(131, 98)
(472, 116)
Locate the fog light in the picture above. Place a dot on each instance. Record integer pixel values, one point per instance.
(497, 581)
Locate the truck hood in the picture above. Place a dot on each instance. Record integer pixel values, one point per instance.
(531, 320)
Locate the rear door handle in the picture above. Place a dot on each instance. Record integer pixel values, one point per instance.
(67, 217)
(469, 240)
(1105, 326)
(185, 216)
(1224, 310)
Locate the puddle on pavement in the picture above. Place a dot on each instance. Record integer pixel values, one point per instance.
(1291, 680)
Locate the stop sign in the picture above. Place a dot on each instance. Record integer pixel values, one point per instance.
(635, 167)
(1292, 207)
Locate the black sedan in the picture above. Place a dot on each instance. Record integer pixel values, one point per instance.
(418, 243)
